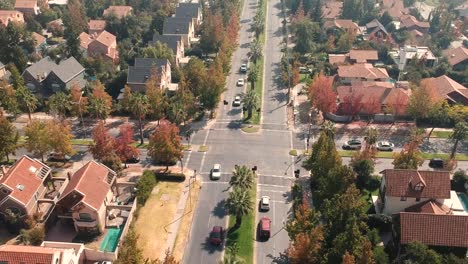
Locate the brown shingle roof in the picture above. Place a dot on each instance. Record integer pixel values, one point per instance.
(429, 207)
(91, 181)
(410, 21)
(118, 11)
(106, 38)
(38, 38)
(457, 55)
(25, 3)
(332, 9)
(362, 70)
(434, 229)
(362, 56)
(445, 87)
(24, 178)
(397, 183)
(395, 8)
(337, 58)
(16, 254)
(97, 25)
(85, 39)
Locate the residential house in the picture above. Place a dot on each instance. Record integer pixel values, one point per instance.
(40, 42)
(96, 26)
(28, 188)
(434, 229)
(174, 42)
(29, 7)
(331, 10)
(374, 98)
(344, 24)
(447, 89)
(140, 73)
(103, 44)
(407, 53)
(416, 191)
(46, 77)
(190, 10)
(180, 26)
(47, 253)
(86, 197)
(457, 57)
(376, 29)
(354, 56)
(7, 16)
(410, 22)
(338, 59)
(415, 38)
(361, 72)
(118, 11)
(395, 8)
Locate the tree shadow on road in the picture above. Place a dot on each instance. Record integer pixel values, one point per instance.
(281, 259)
(210, 248)
(219, 210)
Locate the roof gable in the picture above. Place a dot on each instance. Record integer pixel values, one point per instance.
(457, 55)
(362, 56)
(65, 70)
(97, 25)
(191, 10)
(444, 86)
(429, 207)
(170, 40)
(177, 25)
(362, 70)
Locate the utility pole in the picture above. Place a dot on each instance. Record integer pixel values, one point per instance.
(310, 128)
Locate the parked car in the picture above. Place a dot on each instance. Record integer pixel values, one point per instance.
(240, 82)
(304, 70)
(352, 144)
(436, 163)
(134, 159)
(265, 203)
(243, 68)
(264, 227)
(58, 157)
(237, 101)
(385, 146)
(216, 235)
(216, 172)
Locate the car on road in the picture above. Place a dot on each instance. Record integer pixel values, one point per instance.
(240, 82)
(216, 235)
(264, 228)
(243, 68)
(133, 159)
(58, 157)
(216, 172)
(436, 163)
(237, 101)
(265, 203)
(352, 144)
(385, 146)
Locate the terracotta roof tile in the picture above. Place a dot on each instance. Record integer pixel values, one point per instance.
(97, 25)
(38, 38)
(91, 181)
(85, 39)
(106, 39)
(455, 56)
(395, 8)
(397, 183)
(118, 11)
(444, 86)
(434, 229)
(337, 59)
(25, 3)
(362, 56)
(362, 70)
(410, 21)
(332, 9)
(429, 207)
(16, 254)
(24, 178)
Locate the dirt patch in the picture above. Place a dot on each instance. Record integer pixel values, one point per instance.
(155, 216)
(183, 235)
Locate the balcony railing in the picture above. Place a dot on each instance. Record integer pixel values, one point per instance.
(85, 222)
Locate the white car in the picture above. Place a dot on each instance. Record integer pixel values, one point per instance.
(385, 146)
(237, 101)
(243, 68)
(265, 203)
(216, 172)
(240, 82)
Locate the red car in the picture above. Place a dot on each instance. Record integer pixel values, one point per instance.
(216, 235)
(264, 228)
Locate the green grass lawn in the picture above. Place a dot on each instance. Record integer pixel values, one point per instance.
(441, 134)
(365, 198)
(250, 129)
(244, 237)
(389, 155)
(293, 152)
(380, 154)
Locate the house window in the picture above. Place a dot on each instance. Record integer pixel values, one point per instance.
(403, 198)
(5, 191)
(85, 217)
(418, 187)
(418, 199)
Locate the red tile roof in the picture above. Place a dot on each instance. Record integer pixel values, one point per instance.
(362, 56)
(397, 183)
(455, 56)
(91, 181)
(332, 9)
(118, 11)
(85, 39)
(429, 207)
(106, 38)
(408, 21)
(434, 229)
(24, 178)
(97, 25)
(25, 3)
(337, 59)
(395, 8)
(362, 70)
(446, 88)
(38, 38)
(16, 254)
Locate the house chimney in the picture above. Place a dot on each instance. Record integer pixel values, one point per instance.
(69, 175)
(38, 78)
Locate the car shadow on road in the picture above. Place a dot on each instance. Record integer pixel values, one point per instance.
(219, 210)
(234, 111)
(236, 124)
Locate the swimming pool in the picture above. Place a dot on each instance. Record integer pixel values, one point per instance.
(110, 242)
(463, 200)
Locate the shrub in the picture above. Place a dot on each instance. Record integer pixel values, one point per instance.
(460, 181)
(36, 236)
(171, 177)
(145, 186)
(382, 222)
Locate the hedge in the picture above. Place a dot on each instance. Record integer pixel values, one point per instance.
(171, 177)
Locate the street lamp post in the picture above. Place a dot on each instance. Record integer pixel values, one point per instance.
(310, 128)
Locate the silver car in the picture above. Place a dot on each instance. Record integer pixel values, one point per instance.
(352, 144)
(385, 146)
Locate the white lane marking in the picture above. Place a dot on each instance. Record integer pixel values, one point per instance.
(271, 185)
(214, 182)
(272, 191)
(275, 176)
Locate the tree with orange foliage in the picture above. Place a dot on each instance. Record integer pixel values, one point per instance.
(351, 104)
(100, 103)
(165, 144)
(300, 14)
(79, 102)
(321, 93)
(233, 29)
(348, 259)
(366, 256)
(103, 142)
(372, 106)
(213, 33)
(397, 103)
(124, 147)
(306, 247)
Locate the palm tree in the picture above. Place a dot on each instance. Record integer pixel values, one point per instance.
(139, 107)
(98, 107)
(27, 101)
(231, 255)
(250, 101)
(60, 104)
(460, 132)
(253, 77)
(242, 177)
(258, 25)
(239, 203)
(256, 52)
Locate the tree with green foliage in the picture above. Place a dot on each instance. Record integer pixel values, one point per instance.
(258, 25)
(26, 100)
(11, 37)
(8, 100)
(422, 101)
(145, 186)
(307, 34)
(460, 180)
(253, 77)
(460, 133)
(251, 102)
(129, 252)
(75, 22)
(159, 51)
(239, 203)
(363, 168)
(37, 138)
(100, 102)
(9, 137)
(242, 178)
(231, 256)
(337, 181)
(416, 252)
(139, 107)
(181, 107)
(410, 155)
(256, 51)
(60, 104)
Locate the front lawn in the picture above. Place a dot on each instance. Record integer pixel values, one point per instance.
(441, 134)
